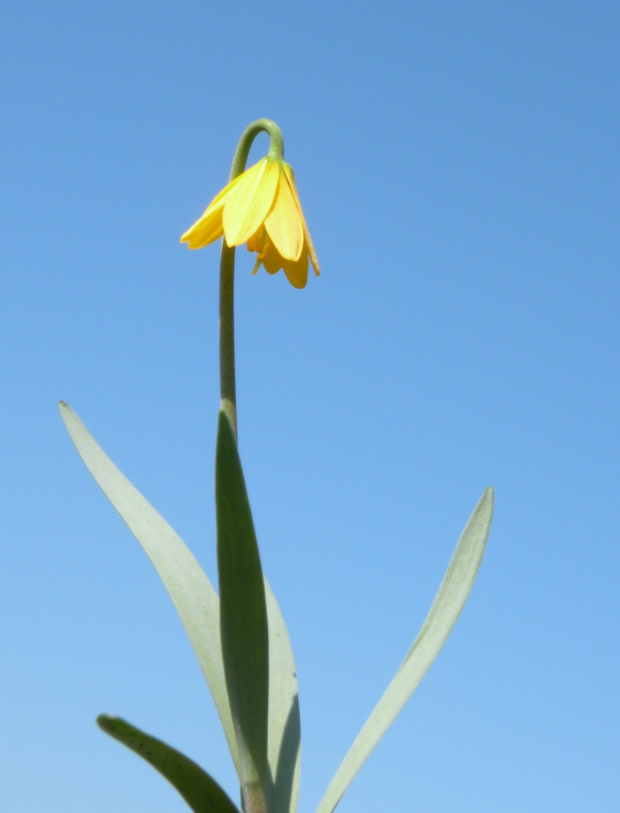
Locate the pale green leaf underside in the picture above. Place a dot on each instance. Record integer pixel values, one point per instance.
(442, 616)
(197, 604)
(284, 742)
(191, 592)
(201, 792)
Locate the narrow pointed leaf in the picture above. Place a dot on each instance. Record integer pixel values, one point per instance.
(442, 616)
(243, 614)
(198, 607)
(201, 792)
(191, 591)
(284, 740)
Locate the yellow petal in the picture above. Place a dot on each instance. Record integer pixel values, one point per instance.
(208, 227)
(283, 223)
(205, 230)
(297, 272)
(266, 254)
(271, 268)
(308, 240)
(312, 252)
(255, 242)
(248, 204)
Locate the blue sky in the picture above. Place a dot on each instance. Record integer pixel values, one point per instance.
(459, 169)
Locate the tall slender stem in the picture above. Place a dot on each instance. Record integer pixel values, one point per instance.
(228, 389)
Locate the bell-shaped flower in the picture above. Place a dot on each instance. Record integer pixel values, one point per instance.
(261, 208)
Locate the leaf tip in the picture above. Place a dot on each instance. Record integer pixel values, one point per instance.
(106, 722)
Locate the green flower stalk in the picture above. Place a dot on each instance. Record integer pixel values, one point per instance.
(239, 637)
(260, 207)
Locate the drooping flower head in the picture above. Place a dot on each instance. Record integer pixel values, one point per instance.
(261, 207)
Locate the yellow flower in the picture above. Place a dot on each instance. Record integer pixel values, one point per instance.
(261, 208)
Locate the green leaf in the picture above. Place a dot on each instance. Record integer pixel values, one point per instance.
(191, 591)
(243, 615)
(201, 792)
(198, 607)
(449, 601)
(284, 742)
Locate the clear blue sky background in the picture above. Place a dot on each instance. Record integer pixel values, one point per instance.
(459, 168)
